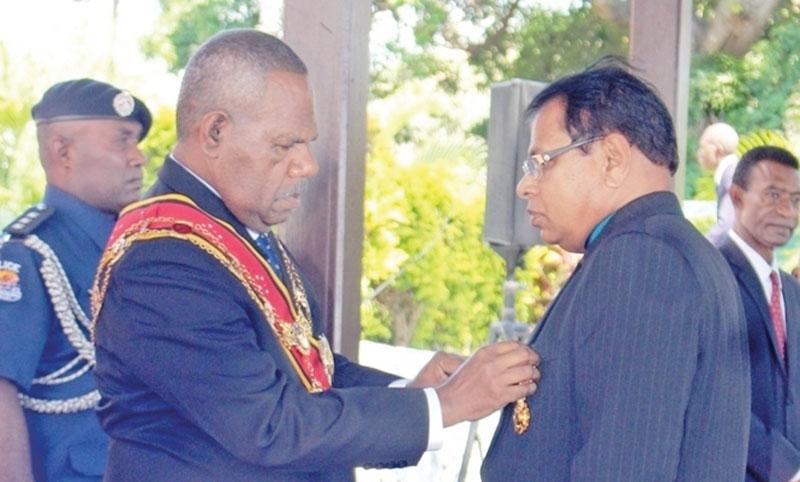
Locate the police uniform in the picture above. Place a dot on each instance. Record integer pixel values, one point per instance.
(48, 257)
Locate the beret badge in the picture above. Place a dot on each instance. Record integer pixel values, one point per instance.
(123, 104)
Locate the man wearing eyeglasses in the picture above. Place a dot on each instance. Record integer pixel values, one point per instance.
(766, 195)
(644, 351)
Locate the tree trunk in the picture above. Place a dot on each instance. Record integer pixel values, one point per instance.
(616, 11)
(735, 26)
(404, 312)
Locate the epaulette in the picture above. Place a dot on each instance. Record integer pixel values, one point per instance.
(27, 222)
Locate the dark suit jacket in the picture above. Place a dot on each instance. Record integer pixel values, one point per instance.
(644, 363)
(196, 387)
(774, 452)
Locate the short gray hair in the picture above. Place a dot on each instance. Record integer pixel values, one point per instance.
(228, 71)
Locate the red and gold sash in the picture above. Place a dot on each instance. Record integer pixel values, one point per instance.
(178, 217)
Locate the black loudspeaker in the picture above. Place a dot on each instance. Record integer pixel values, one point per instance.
(507, 226)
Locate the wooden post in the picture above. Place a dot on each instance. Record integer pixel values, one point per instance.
(661, 47)
(326, 234)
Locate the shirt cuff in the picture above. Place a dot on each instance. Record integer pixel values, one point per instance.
(400, 383)
(435, 422)
(796, 477)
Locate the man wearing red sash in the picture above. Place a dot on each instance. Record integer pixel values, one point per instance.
(210, 356)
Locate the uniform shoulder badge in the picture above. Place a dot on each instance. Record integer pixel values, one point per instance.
(9, 281)
(29, 220)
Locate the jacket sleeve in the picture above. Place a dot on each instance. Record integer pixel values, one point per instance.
(25, 314)
(349, 374)
(183, 326)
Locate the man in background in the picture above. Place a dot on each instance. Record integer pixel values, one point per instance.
(644, 350)
(716, 152)
(766, 196)
(88, 133)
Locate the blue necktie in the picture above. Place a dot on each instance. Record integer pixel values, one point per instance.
(267, 244)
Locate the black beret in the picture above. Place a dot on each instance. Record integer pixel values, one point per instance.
(90, 99)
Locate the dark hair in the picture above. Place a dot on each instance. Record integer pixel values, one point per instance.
(607, 98)
(229, 71)
(741, 176)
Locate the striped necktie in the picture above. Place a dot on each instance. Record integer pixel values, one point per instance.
(777, 315)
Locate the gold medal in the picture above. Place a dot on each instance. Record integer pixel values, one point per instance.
(300, 336)
(522, 416)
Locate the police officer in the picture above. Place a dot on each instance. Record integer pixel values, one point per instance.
(88, 134)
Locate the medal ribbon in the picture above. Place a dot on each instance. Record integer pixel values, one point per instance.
(177, 216)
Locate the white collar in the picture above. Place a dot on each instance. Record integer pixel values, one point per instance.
(759, 264)
(253, 234)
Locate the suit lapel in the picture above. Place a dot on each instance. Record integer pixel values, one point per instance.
(792, 302)
(662, 202)
(553, 304)
(748, 278)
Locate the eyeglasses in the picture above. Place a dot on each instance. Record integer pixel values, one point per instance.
(534, 164)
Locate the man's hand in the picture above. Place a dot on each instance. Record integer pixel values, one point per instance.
(492, 377)
(436, 371)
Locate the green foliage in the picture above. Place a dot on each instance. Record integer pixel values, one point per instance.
(21, 177)
(501, 39)
(697, 179)
(773, 66)
(158, 142)
(704, 188)
(755, 92)
(717, 84)
(428, 279)
(553, 44)
(791, 118)
(544, 270)
(751, 91)
(185, 24)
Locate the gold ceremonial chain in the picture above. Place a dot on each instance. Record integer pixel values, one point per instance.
(303, 308)
(297, 293)
(296, 336)
(522, 416)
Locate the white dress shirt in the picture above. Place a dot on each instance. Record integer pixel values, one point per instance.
(762, 269)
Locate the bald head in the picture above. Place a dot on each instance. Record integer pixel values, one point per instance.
(717, 141)
(229, 72)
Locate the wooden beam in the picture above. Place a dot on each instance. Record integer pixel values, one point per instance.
(326, 234)
(661, 48)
